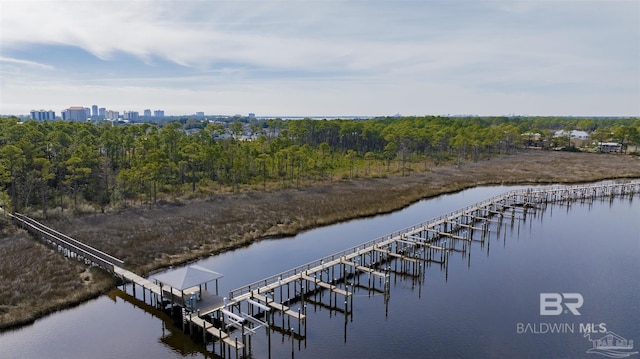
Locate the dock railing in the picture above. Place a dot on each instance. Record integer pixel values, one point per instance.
(349, 251)
(82, 250)
(107, 261)
(635, 185)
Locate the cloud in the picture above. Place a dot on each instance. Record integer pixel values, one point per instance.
(25, 62)
(325, 50)
(274, 35)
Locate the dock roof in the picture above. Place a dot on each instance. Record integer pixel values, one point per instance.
(187, 277)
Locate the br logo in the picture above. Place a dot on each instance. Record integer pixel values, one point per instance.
(552, 303)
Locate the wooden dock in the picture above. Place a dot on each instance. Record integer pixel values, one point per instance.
(406, 252)
(67, 245)
(277, 306)
(411, 249)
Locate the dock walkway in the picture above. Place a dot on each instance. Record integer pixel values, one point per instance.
(411, 248)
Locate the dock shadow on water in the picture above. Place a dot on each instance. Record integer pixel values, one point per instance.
(173, 336)
(414, 293)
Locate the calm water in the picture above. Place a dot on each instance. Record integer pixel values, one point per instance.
(473, 310)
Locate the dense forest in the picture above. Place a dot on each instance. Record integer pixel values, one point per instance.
(54, 166)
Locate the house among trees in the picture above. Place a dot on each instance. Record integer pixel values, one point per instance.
(75, 164)
(609, 147)
(576, 138)
(573, 134)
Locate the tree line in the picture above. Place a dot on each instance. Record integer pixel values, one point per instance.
(65, 165)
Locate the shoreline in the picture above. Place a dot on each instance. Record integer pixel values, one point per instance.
(289, 234)
(210, 227)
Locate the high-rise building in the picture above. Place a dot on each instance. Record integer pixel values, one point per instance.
(42, 115)
(158, 113)
(112, 115)
(75, 113)
(102, 112)
(94, 110)
(147, 113)
(131, 115)
(87, 111)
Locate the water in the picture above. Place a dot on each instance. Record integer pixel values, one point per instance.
(472, 310)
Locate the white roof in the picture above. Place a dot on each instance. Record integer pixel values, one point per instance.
(187, 277)
(572, 134)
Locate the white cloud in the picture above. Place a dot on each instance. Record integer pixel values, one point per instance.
(348, 56)
(25, 62)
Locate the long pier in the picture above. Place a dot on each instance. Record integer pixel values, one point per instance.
(69, 246)
(410, 249)
(269, 302)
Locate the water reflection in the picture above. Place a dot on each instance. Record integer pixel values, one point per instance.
(444, 307)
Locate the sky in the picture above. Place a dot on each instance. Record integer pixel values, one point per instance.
(323, 58)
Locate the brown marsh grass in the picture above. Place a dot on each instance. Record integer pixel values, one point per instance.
(175, 232)
(37, 280)
(149, 238)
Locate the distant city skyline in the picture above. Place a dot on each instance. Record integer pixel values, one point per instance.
(81, 113)
(318, 58)
(102, 112)
(98, 111)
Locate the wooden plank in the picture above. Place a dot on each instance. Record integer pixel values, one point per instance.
(326, 285)
(365, 269)
(132, 277)
(447, 234)
(216, 332)
(211, 329)
(396, 255)
(485, 219)
(518, 209)
(278, 306)
(410, 239)
(232, 343)
(294, 314)
(503, 214)
(270, 302)
(465, 225)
